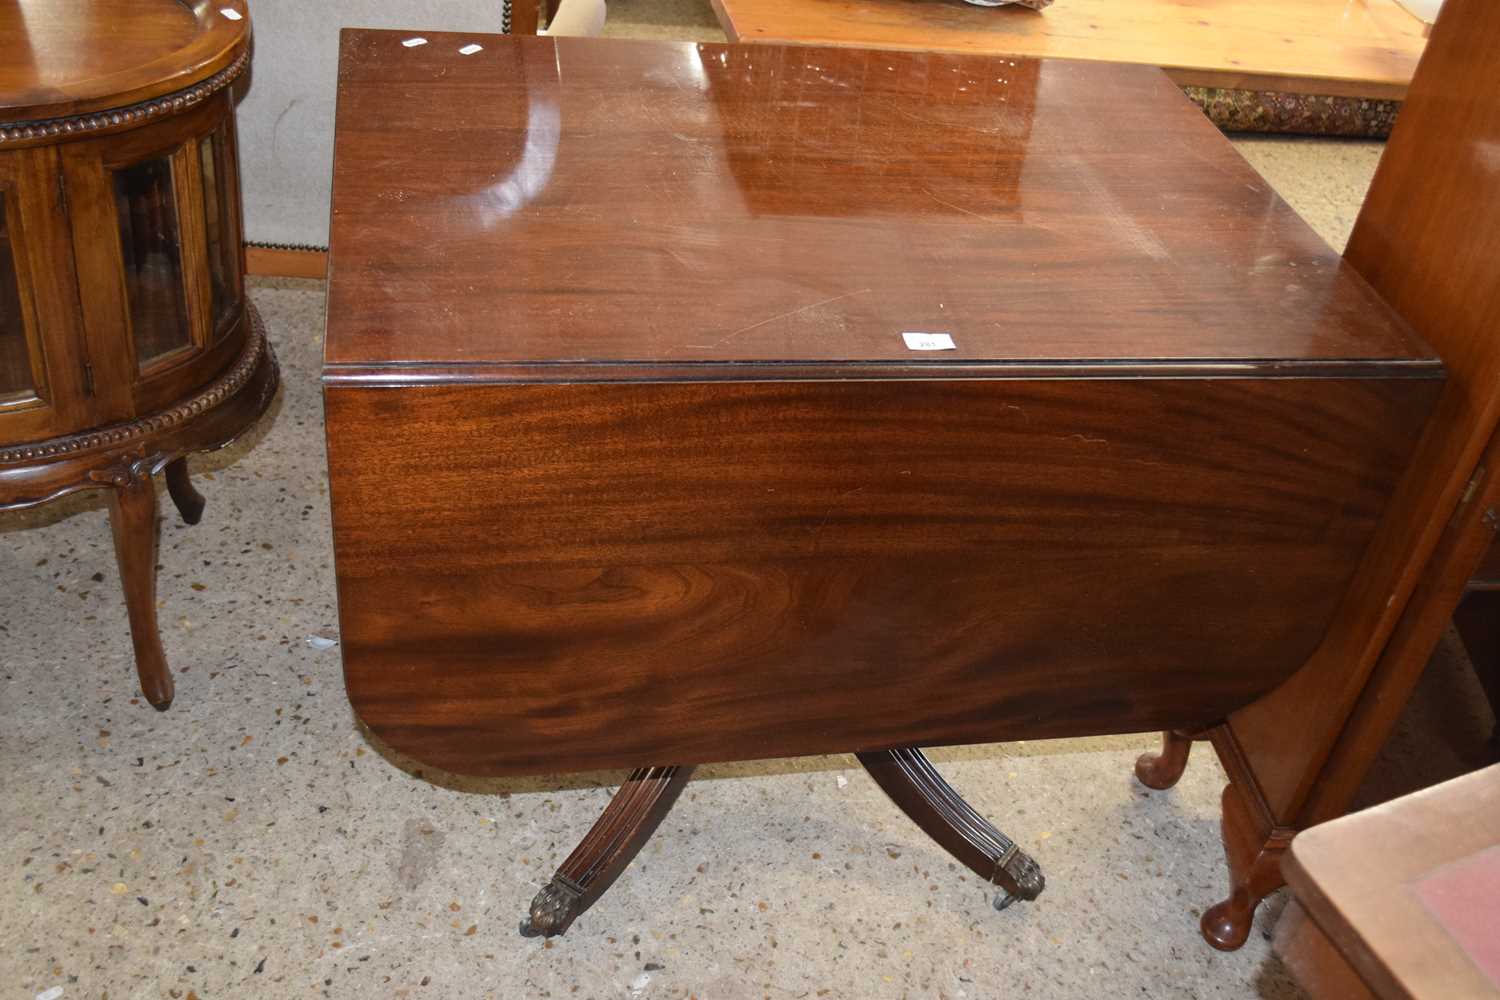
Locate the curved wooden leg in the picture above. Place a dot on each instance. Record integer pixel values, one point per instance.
(188, 500)
(916, 787)
(1162, 770)
(607, 850)
(1254, 857)
(132, 518)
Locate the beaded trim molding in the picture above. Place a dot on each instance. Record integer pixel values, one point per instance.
(135, 114)
(216, 392)
(297, 247)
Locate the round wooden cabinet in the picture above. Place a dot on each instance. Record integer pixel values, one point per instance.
(126, 339)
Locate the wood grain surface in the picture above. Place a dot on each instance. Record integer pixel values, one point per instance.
(588, 200)
(558, 577)
(68, 57)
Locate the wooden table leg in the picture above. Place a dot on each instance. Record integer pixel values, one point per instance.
(1162, 770)
(132, 518)
(607, 850)
(916, 787)
(1254, 856)
(189, 501)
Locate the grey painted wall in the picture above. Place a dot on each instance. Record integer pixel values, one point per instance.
(286, 117)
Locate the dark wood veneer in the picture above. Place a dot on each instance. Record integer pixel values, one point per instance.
(583, 576)
(632, 467)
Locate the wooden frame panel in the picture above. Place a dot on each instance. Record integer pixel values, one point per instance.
(45, 280)
(87, 168)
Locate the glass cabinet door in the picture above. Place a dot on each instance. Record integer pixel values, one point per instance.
(151, 253)
(162, 289)
(17, 381)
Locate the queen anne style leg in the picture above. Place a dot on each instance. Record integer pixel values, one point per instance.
(188, 500)
(1162, 770)
(1254, 854)
(132, 518)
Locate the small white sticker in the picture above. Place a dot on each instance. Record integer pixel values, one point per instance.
(412, 43)
(929, 342)
(470, 49)
(231, 13)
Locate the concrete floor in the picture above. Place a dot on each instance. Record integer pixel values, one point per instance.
(255, 842)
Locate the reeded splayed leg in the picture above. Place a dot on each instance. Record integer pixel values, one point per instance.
(607, 850)
(916, 787)
(132, 519)
(1254, 856)
(1162, 770)
(188, 500)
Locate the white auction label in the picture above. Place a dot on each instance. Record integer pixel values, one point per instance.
(916, 341)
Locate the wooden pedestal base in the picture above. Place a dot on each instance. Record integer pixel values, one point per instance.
(646, 797)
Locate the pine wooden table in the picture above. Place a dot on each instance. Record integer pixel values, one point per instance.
(1326, 47)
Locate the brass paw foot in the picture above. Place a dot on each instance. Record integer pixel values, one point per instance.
(553, 910)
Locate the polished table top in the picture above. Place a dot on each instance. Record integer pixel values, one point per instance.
(68, 57)
(632, 463)
(545, 201)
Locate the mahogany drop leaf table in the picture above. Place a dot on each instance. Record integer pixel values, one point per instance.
(691, 403)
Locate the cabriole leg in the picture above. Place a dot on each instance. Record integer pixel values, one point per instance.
(188, 500)
(132, 518)
(1254, 857)
(1162, 770)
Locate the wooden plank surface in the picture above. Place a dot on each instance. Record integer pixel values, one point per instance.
(540, 578)
(608, 201)
(1357, 49)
